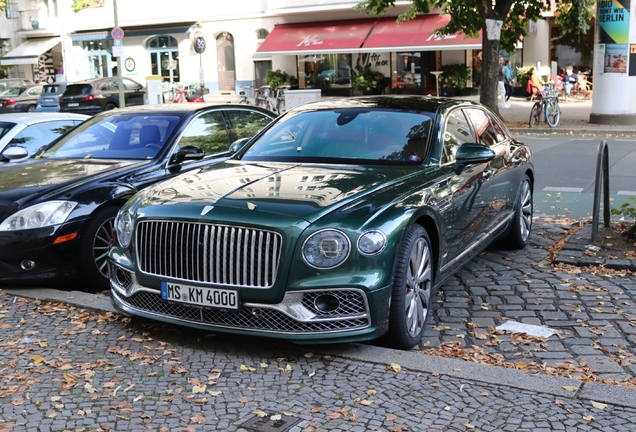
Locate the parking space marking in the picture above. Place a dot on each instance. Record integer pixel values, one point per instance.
(563, 189)
(629, 193)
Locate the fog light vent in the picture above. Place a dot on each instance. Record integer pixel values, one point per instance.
(27, 265)
(326, 303)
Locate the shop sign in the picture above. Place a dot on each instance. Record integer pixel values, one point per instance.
(310, 40)
(199, 44)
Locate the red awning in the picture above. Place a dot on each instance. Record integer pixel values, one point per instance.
(416, 35)
(317, 37)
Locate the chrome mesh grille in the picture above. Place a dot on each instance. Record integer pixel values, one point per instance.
(249, 318)
(120, 276)
(218, 254)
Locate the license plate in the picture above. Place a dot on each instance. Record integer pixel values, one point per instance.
(48, 100)
(200, 296)
(73, 104)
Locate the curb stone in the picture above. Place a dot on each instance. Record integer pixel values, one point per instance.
(457, 368)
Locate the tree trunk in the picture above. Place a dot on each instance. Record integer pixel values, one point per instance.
(489, 71)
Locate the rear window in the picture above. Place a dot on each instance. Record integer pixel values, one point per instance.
(78, 90)
(53, 89)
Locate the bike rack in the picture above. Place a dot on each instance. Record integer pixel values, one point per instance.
(602, 169)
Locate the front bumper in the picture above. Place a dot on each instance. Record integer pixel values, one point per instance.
(53, 262)
(361, 316)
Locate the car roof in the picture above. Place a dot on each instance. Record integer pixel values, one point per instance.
(181, 108)
(91, 81)
(397, 102)
(38, 117)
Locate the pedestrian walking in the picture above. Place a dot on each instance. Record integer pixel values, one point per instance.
(501, 85)
(508, 81)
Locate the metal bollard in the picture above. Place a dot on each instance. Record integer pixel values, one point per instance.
(602, 169)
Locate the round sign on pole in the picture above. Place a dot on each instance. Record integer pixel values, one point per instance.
(199, 45)
(117, 33)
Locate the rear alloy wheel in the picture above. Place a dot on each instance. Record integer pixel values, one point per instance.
(412, 290)
(95, 244)
(31, 108)
(535, 114)
(518, 233)
(110, 106)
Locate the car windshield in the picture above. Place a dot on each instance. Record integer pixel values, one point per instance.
(350, 135)
(124, 136)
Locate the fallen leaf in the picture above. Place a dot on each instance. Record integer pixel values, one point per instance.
(264, 365)
(214, 393)
(309, 355)
(394, 367)
(570, 388)
(56, 398)
(247, 368)
(197, 389)
(366, 402)
(288, 414)
(588, 418)
(469, 426)
(315, 409)
(335, 415)
(288, 368)
(243, 399)
(89, 388)
(276, 417)
(201, 401)
(138, 398)
(391, 417)
(52, 415)
(559, 402)
(599, 405)
(38, 360)
(260, 414)
(371, 392)
(447, 408)
(484, 394)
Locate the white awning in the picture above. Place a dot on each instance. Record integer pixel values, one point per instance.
(29, 52)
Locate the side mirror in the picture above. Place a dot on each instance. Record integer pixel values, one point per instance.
(187, 153)
(238, 144)
(469, 153)
(13, 153)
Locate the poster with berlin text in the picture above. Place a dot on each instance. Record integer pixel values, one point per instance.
(612, 29)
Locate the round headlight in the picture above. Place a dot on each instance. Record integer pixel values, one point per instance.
(371, 242)
(326, 249)
(123, 226)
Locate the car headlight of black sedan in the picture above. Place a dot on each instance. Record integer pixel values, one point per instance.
(38, 216)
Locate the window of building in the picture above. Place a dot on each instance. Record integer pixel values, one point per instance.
(324, 71)
(226, 61)
(164, 57)
(261, 34)
(99, 56)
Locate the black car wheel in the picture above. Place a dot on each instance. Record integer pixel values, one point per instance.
(97, 239)
(412, 290)
(31, 108)
(110, 106)
(518, 233)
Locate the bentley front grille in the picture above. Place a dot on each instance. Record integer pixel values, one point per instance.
(209, 253)
(252, 318)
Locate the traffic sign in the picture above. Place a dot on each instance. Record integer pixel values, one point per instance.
(117, 33)
(118, 42)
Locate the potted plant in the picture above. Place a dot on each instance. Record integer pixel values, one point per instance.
(523, 76)
(366, 80)
(278, 78)
(454, 78)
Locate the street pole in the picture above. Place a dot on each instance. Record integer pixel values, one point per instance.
(120, 82)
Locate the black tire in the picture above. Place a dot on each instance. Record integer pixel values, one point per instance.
(552, 113)
(31, 108)
(535, 114)
(518, 232)
(411, 296)
(110, 106)
(95, 243)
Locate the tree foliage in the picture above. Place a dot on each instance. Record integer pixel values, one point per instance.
(469, 17)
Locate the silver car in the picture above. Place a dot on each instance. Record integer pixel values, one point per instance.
(22, 135)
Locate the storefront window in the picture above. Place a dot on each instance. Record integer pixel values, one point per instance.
(407, 70)
(100, 61)
(328, 72)
(164, 57)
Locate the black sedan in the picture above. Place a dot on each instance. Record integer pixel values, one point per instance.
(57, 208)
(100, 94)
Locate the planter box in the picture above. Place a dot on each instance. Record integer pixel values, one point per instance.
(448, 91)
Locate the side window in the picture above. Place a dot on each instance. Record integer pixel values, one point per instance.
(486, 134)
(246, 124)
(130, 84)
(35, 91)
(499, 130)
(35, 136)
(207, 132)
(457, 132)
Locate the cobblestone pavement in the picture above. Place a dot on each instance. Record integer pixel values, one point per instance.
(67, 368)
(593, 310)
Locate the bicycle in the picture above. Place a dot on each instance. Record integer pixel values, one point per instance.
(245, 95)
(547, 106)
(263, 98)
(280, 98)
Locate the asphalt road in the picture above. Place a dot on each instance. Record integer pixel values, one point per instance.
(565, 168)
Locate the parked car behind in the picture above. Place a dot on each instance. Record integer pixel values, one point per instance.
(100, 94)
(338, 223)
(50, 98)
(28, 132)
(57, 208)
(6, 83)
(19, 99)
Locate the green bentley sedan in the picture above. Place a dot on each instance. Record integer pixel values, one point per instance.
(336, 223)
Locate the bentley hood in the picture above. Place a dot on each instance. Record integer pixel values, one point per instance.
(293, 190)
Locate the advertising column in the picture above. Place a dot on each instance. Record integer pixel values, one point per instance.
(614, 63)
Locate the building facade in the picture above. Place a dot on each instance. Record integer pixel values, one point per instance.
(316, 41)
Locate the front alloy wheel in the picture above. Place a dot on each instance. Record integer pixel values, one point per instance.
(412, 290)
(97, 239)
(518, 232)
